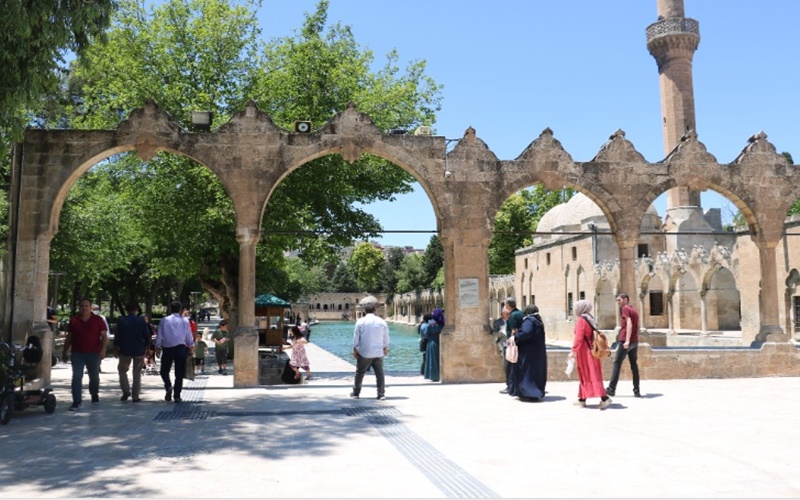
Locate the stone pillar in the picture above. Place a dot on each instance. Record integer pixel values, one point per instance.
(467, 354)
(670, 324)
(627, 272)
(45, 334)
(245, 355)
(703, 312)
(770, 330)
(30, 285)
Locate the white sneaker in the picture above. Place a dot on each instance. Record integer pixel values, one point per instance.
(604, 404)
(580, 403)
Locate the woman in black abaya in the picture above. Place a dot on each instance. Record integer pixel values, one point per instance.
(529, 373)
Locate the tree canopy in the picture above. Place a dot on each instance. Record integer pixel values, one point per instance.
(207, 54)
(516, 221)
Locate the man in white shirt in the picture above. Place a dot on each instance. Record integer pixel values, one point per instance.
(370, 345)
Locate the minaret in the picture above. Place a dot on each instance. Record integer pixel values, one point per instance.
(672, 40)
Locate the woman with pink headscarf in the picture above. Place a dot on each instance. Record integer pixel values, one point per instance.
(590, 371)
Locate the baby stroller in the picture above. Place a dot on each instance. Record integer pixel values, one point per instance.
(150, 367)
(17, 367)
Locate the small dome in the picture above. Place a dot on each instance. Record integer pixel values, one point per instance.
(551, 219)
(369, 299)
(580, 207)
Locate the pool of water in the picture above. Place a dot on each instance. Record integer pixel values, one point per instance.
(336, 337)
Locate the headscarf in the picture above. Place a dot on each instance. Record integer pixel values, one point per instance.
(533, 310)
(438, 316)
(583, 308)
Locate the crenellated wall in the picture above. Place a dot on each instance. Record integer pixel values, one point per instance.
(251, 156)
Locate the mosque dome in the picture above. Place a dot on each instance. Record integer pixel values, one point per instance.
(551, 219)
(580, 211)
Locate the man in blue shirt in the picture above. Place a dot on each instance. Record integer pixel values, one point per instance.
(370, 345)
(131, 341)
(174, 340)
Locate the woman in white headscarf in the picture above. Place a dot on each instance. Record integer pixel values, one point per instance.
(590, 371)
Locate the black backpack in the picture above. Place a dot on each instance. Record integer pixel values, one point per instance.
(32, 352)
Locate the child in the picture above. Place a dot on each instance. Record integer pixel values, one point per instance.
(299, 358)
(200, 350)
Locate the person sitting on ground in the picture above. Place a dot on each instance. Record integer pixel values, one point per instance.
(299, 358)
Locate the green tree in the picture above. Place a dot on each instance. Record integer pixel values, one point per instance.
(343, 281)
(312, 75)
(433, 259)
(205, 54)
(36, 36)
(366, 264)
(411, 275)
(310, 279)
(515, 222)
(394, 260)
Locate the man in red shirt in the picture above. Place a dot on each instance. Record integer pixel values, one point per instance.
(629, 340)
(87, 338)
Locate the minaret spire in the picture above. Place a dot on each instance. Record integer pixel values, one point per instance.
(672, 41)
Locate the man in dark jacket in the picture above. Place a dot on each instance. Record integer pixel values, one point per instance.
(131, 341)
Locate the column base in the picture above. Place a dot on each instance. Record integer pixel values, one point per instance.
(245, 357)
(772, 333)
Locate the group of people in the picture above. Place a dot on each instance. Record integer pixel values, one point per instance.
(527, 377)
(429, 331)
(176, 339)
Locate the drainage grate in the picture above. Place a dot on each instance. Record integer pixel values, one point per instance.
(185, 411)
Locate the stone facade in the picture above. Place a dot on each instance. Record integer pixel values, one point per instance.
(251, 155)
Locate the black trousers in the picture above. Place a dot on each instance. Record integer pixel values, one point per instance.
(177, 354)
(631, 353)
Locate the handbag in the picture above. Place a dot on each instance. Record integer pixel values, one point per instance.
(423, 344)
(188, 373)
(512, 352)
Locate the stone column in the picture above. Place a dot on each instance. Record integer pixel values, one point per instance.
(703, 312)
(245, 355)
(627, 273)
(466, 352)
(670, 324)
(770, 330)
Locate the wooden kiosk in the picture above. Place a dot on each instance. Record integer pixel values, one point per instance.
(270, 311)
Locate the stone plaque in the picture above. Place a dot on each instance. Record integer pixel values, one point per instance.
(468, 295)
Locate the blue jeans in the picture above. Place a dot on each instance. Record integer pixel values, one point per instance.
(362, 365)
(91, 362)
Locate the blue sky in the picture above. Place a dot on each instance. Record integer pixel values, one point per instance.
(512, 68)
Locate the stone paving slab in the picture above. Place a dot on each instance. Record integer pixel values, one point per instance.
(684, 438)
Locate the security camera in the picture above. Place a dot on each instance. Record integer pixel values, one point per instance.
(448, 173)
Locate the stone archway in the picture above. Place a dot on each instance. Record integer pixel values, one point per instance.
(250, 155)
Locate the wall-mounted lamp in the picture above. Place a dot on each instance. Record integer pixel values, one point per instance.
(201, 120)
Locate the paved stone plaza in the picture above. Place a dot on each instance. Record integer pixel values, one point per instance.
(684, 438)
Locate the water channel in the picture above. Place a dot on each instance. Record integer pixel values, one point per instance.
(404, 357)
